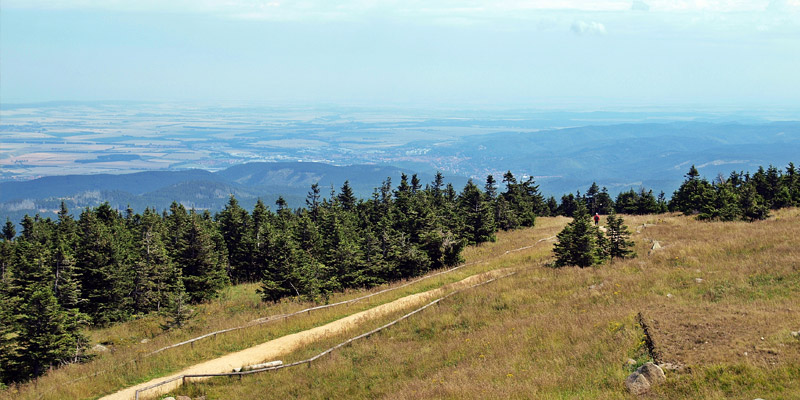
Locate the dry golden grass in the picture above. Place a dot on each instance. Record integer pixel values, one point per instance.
(546, 333)
(125, 366)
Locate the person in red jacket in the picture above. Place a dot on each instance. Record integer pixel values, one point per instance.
(596, 218)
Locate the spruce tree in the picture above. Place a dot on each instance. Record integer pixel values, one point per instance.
(580, 243)
(479, 225)
(177, 310)
(201, 260)
(43, 337)
(236, 228)
(619, 242)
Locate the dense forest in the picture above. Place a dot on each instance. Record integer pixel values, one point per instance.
(60, 276)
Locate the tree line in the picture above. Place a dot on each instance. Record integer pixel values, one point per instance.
(105, 266)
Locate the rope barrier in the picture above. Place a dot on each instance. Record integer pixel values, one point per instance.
(263, 320)
(323, 353)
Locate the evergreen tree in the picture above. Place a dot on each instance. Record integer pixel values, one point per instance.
(619, 242)
(236, 228)
(43, 340)
(201, 260)
(177, 310)
(9, 231)
(580, 243)
(752, 204)
(346, 198)
(478, 219)
(692, 194)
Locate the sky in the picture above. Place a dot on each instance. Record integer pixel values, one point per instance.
(448, 53)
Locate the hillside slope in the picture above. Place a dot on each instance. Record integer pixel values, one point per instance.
(720, 300)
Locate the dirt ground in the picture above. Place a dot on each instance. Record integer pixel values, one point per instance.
(273, 349)
(690, 336)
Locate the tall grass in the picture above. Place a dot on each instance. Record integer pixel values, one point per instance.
(568, 333)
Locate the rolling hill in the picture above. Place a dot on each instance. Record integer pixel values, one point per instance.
(718, 300)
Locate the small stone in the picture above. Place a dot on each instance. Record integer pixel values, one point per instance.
(99, 348)
(796, 334)
(745, 353)
(145, 340)
(168, 398)
(631, 361)
(762, 338)
(669, 295)
(656, 245)
(183, 398)
(698, 280)
(670, 367)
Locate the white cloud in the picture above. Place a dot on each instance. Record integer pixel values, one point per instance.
(588, 28)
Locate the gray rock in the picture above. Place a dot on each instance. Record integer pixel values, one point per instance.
(145, 340)
(646, 376)
(99, 348)
(698, 280)
(631, 361)
(183, 398)
(671, 367)
(656, 245)
(796, 334)
(652, 372)
(168, 398)
(637, 384)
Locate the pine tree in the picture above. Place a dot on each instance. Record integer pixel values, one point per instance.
(9, 231)
(619, 242)
(43, 340)
(580, 243)
(201, 260)
(478, 217)
(177, 311)
(236, 228)
(346, 198)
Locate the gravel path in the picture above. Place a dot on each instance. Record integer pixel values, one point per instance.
(275, 348)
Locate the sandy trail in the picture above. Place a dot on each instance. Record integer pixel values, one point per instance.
(274, 348)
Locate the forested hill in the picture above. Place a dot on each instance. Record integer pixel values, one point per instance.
(105, 266)
(193, 188)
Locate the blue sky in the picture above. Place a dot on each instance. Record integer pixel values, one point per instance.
(506, 53)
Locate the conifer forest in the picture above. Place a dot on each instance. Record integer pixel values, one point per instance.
(99, 266)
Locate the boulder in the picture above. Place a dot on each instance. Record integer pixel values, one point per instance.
(637, 384)
(646, 376)
(653, 373)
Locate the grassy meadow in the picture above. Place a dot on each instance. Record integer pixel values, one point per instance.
(721, 299)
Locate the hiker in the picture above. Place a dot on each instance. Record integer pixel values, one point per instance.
(596, 218)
